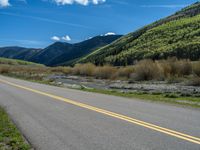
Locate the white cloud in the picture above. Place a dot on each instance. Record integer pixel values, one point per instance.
(81, 2)
(55, 38)
(4, 3)
(109, 33)
(66, 38)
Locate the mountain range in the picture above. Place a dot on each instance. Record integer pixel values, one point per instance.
(59, 53)
(176, 35)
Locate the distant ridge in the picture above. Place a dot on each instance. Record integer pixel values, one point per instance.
(59, 53)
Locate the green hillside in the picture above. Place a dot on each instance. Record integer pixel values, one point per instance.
(7, 61)
(177, 35)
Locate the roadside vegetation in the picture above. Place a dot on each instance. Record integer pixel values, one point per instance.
(10, 137)
(170, 71)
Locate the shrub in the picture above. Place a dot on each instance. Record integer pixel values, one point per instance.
(84, 69)
(196, 68)
(171, 63)
(166, 68)
(4, 69)
(76, 69)
(148, 70)
(105, 72)
(184, 67)
(174, 67)
(124, 72)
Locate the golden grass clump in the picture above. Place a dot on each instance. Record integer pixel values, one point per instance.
(179, 67)
(84, 69)
(196, 68)
(4, 69)
(148, 70)
(105, 72)
(124, 72)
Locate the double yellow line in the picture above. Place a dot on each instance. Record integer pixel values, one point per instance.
(170, 132)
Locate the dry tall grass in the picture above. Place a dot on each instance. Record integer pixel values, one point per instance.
(27, 72)
(148, 70)
(143, 70)
(196, 68)
(4, 69)
(124, 72)
(177, 67)
(105, 72)
(84, 69)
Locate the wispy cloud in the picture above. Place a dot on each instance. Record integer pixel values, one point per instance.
(163, 6)
(45, 20)
(4, 3)
(81, 2)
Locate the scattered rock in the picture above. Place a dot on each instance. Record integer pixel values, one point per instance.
(151, 87)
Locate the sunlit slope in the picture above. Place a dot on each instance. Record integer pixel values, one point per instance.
(177, 35)
(7, 61)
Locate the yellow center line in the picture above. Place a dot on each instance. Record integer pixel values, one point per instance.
(112, 114)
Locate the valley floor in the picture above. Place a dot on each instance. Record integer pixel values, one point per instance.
(179, 93)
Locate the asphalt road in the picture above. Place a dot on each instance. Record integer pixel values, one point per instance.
(53, 118)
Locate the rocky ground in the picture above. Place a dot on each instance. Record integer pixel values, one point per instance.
(126, 86)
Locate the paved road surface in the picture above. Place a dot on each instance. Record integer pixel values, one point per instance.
(53, 118)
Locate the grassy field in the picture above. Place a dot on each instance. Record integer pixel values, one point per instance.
(10, 137)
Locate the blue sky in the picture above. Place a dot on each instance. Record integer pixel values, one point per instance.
(38, 23)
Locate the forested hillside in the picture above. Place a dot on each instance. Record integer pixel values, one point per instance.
(177, 35)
